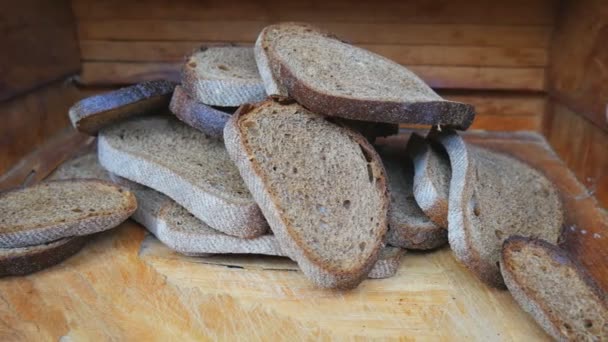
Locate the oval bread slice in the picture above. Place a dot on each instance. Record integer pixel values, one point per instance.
(25, 260)
(53, 210)
(555, 290)
(322, 188)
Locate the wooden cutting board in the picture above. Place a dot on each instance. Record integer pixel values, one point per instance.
(126, 285)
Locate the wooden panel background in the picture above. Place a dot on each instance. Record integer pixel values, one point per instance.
(39, 45)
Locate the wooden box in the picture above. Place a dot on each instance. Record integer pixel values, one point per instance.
(539, 66)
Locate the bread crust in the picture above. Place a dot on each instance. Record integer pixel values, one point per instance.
(89, 115)
(204, 118)
(319, 273)
(25, 260)
(527, 298)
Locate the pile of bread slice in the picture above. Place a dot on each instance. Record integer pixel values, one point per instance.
(276, 150)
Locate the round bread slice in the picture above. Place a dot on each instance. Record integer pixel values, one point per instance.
(89, 115)
(225, 76)
(206, 119)
(555, 290)
(432, 175)
(409, 227)
(387, 264)
(494, 196)
(330, 77)
(53, 210)
(25, 260)
(321, 187)
(186, 165)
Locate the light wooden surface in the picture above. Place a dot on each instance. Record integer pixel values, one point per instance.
(124, 285)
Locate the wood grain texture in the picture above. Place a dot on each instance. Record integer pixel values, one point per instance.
(360, 33)
(165, 51)
(526, 79)
(579, 65)
(384, 11)
(126, 286)
(583, 146)
(31, 119)
(39, 45)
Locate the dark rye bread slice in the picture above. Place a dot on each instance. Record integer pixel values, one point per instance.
(206, 119)
(322, 188)
(181, 231)
(186, 165)
(89, 115)
(334, 78)
(494, 196)
(432, 174)
(409, 227)
(53, 210)
(555, 290)
(25, 260)
(225, 76)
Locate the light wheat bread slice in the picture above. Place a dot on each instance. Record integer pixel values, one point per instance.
(181, 231)
(432, 173)
(553, 288)
(494, 196)
(334, 78)
(225, 76)
(81, 166)
(209, 120)
(186, 165)
(53, 210)
(409, 227)
(321, 187)
(25, 260)
(89, 115)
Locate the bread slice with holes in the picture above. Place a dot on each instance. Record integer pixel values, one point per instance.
(224, 76)
(186, 165)
(494, 196)
(89, 115)
(209, 120)
(57, 209)
(432, 174)
(555, 290)
(334, 78)
(409, 227)
(322, 188)
(25, 260)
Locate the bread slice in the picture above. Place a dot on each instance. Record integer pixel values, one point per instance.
(330, 77)
(321, 187)
(25, 260)
(184, 164)
(181, 231)
(494, 196)
(371, 130)
(53, 210)
(432, 174)
(89, 115)
(387, 264)
(555, 290)
(82, 166)
(409, 227)
(225, 76)
(206, 119)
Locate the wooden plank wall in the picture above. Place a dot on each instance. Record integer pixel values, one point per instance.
(39, 45)
(485, 48)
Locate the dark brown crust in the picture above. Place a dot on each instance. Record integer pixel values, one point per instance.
(39, 257)
(89, 115)
(447, 113)
(204, 118)
(515, 241)
(339, 275)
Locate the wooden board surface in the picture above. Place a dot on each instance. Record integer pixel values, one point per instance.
(123, 285)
